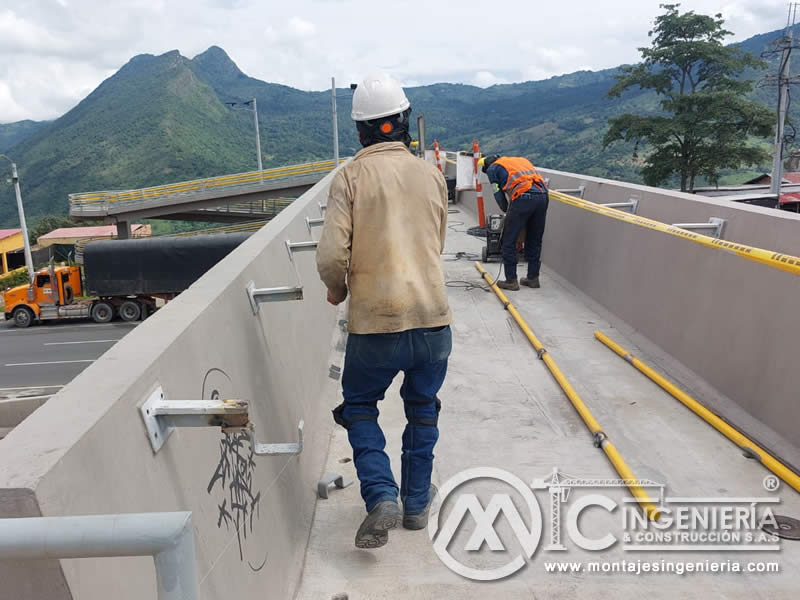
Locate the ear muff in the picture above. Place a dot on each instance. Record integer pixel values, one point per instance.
(386, 127)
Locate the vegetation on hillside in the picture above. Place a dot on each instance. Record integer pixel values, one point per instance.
(12, 134)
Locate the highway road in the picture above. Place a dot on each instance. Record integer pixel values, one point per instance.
(53, 354)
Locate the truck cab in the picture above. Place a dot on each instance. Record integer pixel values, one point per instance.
(52, 291)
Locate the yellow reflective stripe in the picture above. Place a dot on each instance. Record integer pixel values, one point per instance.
(95, 198)
(517, 175)
(777, 260)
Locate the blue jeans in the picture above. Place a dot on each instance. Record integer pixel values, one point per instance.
(371, 363)
(528, 211)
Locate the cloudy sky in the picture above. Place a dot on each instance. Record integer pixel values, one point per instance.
(54, 52)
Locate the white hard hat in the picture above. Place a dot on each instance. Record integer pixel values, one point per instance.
(378, 96)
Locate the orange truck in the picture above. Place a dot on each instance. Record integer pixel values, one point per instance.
(124, 278)
(52, 296)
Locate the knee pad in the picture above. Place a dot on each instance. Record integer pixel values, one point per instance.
(339, 418)
(426, 421)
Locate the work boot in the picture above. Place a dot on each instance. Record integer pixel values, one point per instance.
(531, 282)
(373, 532)
(512, 285)
(420, 521)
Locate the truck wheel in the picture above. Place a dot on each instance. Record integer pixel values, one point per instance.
(484, 254)
(130, 310)
(23, 317)
(102, 312)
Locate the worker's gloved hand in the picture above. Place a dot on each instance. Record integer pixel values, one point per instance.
(334, 299)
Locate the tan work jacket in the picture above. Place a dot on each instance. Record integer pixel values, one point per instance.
(384, 231)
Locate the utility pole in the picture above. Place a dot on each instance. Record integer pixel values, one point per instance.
(254, 102)
(783, 101)
(335, 124)
(258, 135)
(421, 135)
(23, 225)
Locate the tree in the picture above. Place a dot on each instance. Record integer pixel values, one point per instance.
(48, 223)
(706, 118)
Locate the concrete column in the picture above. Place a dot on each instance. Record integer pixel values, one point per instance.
(5, 263)
(123, 230)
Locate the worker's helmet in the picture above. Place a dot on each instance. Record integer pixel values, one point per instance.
(487, 161)
(378, 96)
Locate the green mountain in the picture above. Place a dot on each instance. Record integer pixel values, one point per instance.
(12, 134)
(164, 118)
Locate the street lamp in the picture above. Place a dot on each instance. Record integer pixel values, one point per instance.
(23, 225)
(254, 103)
(335, 118)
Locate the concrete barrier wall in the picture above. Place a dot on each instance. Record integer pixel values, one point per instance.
(730, 320)
(86, 451)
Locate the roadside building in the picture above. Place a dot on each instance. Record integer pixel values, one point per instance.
(10, 240)
(789, 198)
(69, 236)
(60, 243)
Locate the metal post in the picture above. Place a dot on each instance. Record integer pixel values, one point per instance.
(335, 124)
(421, 135)
(783, 97)
(167, 537)
(258, 135)
(23, 225)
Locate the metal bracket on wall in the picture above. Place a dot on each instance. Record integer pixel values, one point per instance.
(310, 223)
(714, 226)
(292, 247)
(322, 207)
(573, 191)
(280, 294)
(288, 449)
(275, 294)
(631, 205)
(162, 416)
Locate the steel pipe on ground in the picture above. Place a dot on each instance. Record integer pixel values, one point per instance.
(600, 438)
(746, 444)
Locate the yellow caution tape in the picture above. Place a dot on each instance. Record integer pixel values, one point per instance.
(784, 262)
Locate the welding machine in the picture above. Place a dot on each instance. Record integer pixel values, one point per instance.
(494, 233)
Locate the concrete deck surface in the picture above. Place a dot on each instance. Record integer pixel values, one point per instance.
(502, 408)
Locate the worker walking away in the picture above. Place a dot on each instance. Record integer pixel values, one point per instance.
(384, 231)
(522, 195)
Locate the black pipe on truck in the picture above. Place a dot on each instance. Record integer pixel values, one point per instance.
(153, 266)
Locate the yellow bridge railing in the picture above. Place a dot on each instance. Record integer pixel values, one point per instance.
(104, 198)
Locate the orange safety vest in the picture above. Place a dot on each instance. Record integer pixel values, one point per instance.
(522, 175)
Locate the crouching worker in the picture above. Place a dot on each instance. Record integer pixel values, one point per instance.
(522, 195)
(384, 231)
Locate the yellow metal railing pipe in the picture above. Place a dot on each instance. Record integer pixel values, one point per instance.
(746, 444)
(777, 260)
(600, 438)
(90, 198)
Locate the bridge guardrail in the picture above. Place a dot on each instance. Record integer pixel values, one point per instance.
(777, 260)
(91, 200)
